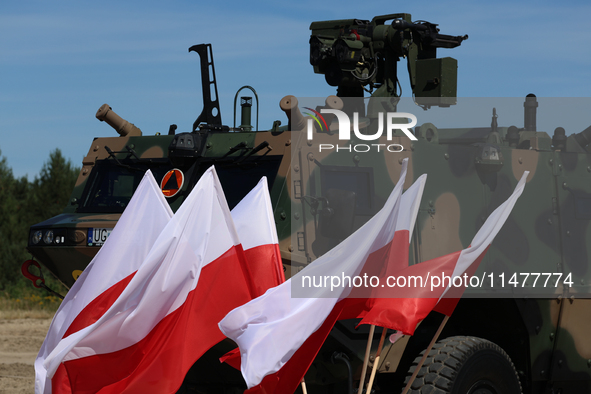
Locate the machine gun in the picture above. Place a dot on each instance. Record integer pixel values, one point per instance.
(356, 55)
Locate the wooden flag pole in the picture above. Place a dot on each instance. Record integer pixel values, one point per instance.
(422, 361)
(304, 390)
(376, 361)
(372, 328)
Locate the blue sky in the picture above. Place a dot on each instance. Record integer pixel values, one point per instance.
(61, 60)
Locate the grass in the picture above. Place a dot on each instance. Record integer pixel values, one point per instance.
(23, 301)
(34, 306)
(21, 314)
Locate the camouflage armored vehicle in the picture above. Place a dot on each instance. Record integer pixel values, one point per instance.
(501, 338)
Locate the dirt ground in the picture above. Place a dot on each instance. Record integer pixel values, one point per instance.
(20, 340)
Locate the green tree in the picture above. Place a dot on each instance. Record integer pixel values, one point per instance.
(24, 203)
(51, 190)
(13, 225)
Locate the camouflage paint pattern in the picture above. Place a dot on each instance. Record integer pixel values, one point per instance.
(548, 231)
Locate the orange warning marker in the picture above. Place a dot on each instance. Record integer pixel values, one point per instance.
(172, 182)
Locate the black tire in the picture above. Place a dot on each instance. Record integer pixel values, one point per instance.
(465, 365)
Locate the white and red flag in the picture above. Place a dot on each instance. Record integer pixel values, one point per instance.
(443, 278)
(166, 317)
(108, 273)
(253, 218)
(280, 333)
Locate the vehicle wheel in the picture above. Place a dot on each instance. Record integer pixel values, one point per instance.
(465, 365)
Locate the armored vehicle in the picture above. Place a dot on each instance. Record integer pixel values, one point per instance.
(500, 339)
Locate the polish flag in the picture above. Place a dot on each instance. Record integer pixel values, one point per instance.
(280, 333)
(165, 318)
(253, 218)
(107, 274)
(404, 308)
(279, 336)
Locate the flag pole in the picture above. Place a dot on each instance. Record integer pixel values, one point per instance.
(422, 361)
(366, 359)
(376, 361)
(304, 390)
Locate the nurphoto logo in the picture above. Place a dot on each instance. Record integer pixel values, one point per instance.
(402, 121)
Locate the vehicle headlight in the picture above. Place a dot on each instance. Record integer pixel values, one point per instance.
(48, 238)
(37, 235)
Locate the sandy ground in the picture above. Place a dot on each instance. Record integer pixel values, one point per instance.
(20, 340)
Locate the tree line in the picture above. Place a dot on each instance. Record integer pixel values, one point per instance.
(24, 203)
